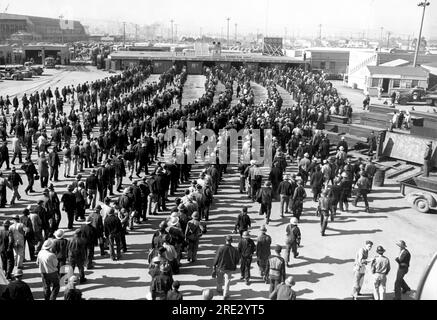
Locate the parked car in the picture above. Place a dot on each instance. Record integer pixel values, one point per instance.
(418, 95)
(50, 62)
(36, 70)
(11, 74)
(27, 73)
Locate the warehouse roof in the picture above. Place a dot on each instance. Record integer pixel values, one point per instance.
(401, 71)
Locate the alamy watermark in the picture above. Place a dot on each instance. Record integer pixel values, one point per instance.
(225, 146)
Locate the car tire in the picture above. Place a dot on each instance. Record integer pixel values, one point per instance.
(422, 205)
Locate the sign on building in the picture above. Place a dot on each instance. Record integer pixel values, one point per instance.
(66, 24)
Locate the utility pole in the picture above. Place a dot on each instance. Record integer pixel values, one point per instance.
(423, 4)
(176, 31)
(235, 33)
(136, 32)
(320, 32)
(172, 30)
(382, 34)
(388, 39)
(228, 31)
(124, 34)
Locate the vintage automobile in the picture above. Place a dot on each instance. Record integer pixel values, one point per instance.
(12, 74)
(50, 63)
(418, 95)
(421, 193)
(36, 70)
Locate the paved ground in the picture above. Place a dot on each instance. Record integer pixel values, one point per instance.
(322, 271)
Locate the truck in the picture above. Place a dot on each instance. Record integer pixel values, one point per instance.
(50, 63)
(418, 95)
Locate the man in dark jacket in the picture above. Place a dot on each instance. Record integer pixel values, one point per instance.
(120, 172)
(69, 204)
(363, 185)
(243, 222)
(18, 290)
(275, 177)
(76, 254)
(263, 244)
(162, 283)
(89, 234)
(404, 263)
(91, 185)
(246, 248)
(30, 170)
(283, 291)
(97, 223)
(225, 263)
(6, 250)
(298, 198)
(113, 229)
(275, 269)
(265, 198)
(285, 191)
(316, 183)
(293, 239)
(54, 164)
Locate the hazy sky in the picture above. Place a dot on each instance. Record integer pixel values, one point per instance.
(401, 17)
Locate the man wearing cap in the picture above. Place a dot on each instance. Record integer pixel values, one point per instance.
(243, 222)
(265, 198)
(403, 264)
(54, 164)
(324, 209)
(224, 264)
(193, 233)
(363, 185)
(48, 267)
(380, 267)
(275, 270)
(69, 203)
(97, 223)
(15, 181)
(263, 244)
(6, 250)
(28, 232)
(76, 254)
(275, 177)
(89, 234)
(162, 283)
(304, 166)
(299, 196)
(174, 294)
(91, 186)
(30, 170)
(71, 292)
(17, 290)
(360, 268)
(293, 239)
(284, 291)
(427, 159)
(246, 248)
(113, 229)
(286, 190)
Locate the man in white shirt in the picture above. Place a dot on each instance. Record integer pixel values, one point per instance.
(48, 266)
(360, 268)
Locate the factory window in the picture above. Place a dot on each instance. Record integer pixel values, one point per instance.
(375, 82)
(414, 83)
(396, 83)
(323, 65)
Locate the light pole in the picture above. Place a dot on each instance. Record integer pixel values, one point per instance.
(228, 31)
(176, 32)
(423, 4)
(235, 33)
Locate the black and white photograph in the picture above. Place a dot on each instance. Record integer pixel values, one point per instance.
(238, 151)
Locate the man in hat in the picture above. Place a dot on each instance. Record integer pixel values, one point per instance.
(427, 159)
(120, 172)
(224, 264)
(286, 190)
(293, 239)
(403, 264)
(30, 170)
(246, 248)
(76, 254)
(284, 290)
(263, 244)
(324, 209)
(162, 283)
(54, 164)
(243, 222)
(360, 268)
(6, 250)
(69, 204)
(380, 268)
(275, 271)
(265, 198)
(89, 234)
(174, 294)
(48, 266)
(15, 181)
(60, 250)
(17, 290)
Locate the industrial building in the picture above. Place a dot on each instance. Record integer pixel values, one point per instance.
(329, 60)
(162, 61)
(39, 29)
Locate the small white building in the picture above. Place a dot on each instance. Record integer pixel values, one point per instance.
(394, 79)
